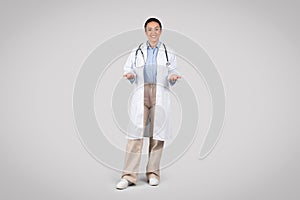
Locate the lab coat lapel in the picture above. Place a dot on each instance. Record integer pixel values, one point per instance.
(144, 49)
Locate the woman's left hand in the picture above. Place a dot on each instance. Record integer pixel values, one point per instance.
(174, 77)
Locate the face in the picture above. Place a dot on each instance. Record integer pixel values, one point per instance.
(153, 32)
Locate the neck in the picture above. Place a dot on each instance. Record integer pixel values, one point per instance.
(152, 44)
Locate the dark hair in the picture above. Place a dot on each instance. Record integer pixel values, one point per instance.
(152, 20)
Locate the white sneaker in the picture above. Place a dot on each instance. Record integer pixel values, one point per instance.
(153, 181)
(123, 184)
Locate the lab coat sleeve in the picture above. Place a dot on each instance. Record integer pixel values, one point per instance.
(172, 69)
(128, 67)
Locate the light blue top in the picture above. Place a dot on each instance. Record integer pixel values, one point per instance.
(150, 69)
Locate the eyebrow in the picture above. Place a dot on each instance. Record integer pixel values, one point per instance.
(153, 27)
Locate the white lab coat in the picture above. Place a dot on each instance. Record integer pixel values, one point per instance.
(162, 122)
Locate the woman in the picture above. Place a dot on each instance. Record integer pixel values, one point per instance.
(151, 68)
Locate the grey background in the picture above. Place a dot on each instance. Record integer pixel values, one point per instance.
(255, 46)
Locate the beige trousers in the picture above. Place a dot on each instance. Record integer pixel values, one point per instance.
(134, 146)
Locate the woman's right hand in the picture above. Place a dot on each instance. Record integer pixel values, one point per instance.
(129, 76)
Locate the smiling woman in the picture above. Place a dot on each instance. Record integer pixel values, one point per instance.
(152, 70)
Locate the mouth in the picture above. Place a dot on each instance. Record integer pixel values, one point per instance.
(153, 36)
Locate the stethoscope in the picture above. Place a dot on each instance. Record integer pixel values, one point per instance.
(142, 53)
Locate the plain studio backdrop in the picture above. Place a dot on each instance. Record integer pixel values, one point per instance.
(255, 47)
